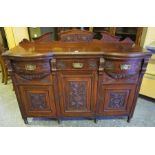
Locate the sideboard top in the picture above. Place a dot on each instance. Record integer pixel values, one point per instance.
(32, 49)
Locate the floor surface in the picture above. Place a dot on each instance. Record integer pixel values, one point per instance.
(144, 115)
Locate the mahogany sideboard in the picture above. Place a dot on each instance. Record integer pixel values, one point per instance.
(77, 79)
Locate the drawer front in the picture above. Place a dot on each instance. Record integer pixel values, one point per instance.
(121, 71)
(77, 64)
(31, 67)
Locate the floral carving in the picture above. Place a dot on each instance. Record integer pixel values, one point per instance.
(117, 100)
(77, 96)
(38, 101)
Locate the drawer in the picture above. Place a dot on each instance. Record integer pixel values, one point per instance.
(121, 71)
(31, 67)
(77, 64)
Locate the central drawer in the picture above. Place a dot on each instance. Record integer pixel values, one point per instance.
(77, 64)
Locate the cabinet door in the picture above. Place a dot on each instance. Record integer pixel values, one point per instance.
(116, 99)
(38, 100)
(77, 94)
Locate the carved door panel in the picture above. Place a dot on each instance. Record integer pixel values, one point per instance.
(38, 100)
(116, 99)
(77, 94)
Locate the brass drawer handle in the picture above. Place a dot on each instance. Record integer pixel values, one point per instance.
(30, 67)
(77, 65)
(125, 67)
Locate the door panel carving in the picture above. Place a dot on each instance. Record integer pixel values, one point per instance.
(77, 96)
(117, 100)
(38, 100)
(79, 93)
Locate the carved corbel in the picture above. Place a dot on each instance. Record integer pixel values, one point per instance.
(53, 65)
(101, 65)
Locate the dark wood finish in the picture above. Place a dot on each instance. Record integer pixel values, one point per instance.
(77, 79)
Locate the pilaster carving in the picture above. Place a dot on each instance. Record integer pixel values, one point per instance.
(53, 65)
(101, 65)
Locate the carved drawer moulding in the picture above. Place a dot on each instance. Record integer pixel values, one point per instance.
(124, 70)
(34, 76)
